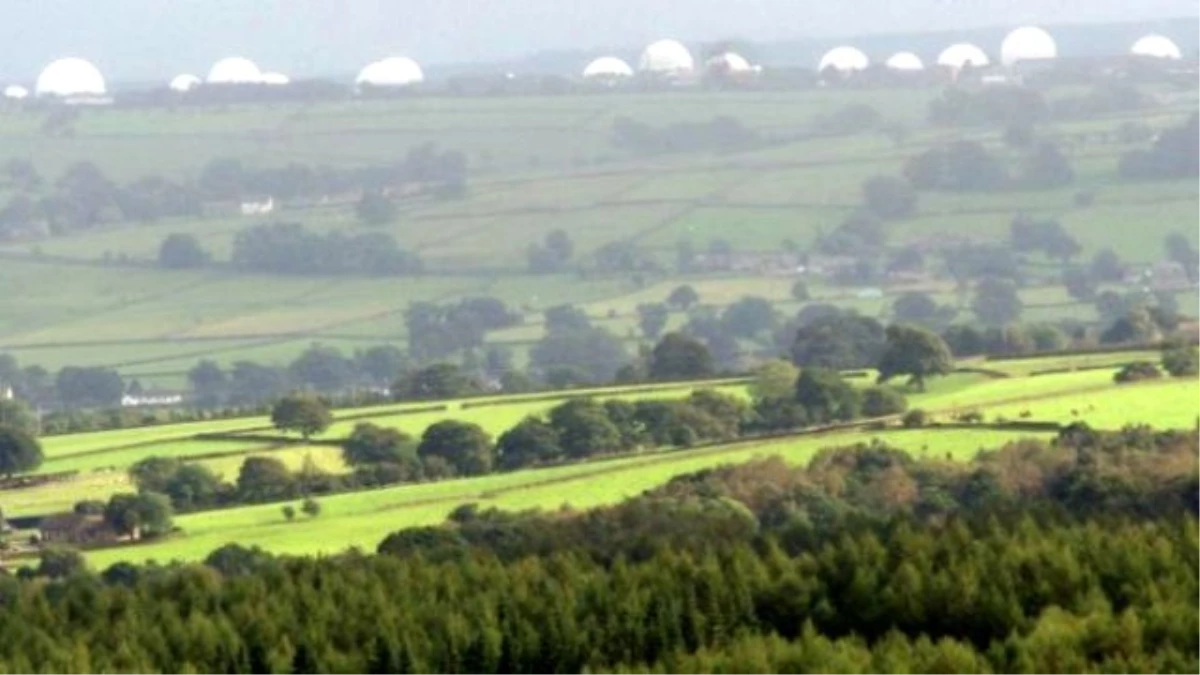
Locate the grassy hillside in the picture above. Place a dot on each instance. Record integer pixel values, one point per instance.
(363, 518)
(537, 164)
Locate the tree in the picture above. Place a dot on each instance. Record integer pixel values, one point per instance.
(302, 413)
(652, 319)
(465, 446)
(138, 515)
(566, 318)
(748, 317)
(1107, 266)
(915, 352)
(584, 428)
(882, 401)
(16, 414)
(889, 197)
(322, 368)
(435, 382)
(1179, 249)
(375, 209)
(996, 301)
(915, 307)
(1181, 360)
(264, 479)
(60, 562)
(1137, 326)
(209, 383)
(379, 365)
(1079, 284)
(586, 355)
(532, 441)
(89, 387)
(774, 379)
(1047, 168)
(180, 251)
(679, 357)
(825, 396)
(289, 512)
(370, 444)
(800, 291)
(191, 486)
(19, 452)
(310, 507)
(836, 339)
(682, 298)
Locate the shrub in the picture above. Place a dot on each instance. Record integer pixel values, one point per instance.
(882, 401)
(289, 512)
(1181, 360)
(1137, 371)
(311, 507)
(915, 418)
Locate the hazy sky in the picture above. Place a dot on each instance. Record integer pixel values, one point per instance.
(155, 38)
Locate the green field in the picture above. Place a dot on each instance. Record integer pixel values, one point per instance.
(363, 519)
(537, 164)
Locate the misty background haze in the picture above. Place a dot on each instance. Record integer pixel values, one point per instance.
(150, 39)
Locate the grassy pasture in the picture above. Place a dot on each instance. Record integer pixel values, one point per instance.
(362, 519)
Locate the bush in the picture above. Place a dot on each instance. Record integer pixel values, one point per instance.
(915, 418)
(289, 512)
(1181, 360)
(1137, 371)
(311, 507)
(882, 401)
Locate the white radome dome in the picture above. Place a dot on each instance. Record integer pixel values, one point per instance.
(962, 54)
(907, 61)
(234, 70)
(70, 77)
(1156, 46)
(16, 92)
(1028, 43)
(667, 57)
(276, 79)
(185, 82)
(844, 59)
(607, 66)
(730, 62)
(394, 71)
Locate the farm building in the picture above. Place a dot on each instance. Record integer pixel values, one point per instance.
(151, 399)
(76, 529)
(16, 92)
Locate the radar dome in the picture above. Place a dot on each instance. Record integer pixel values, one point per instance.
(70, 77)
(395, 71)
(666, 57)
(961, 55)
(16, 92)
(1028, 43)
(1156, 46)
(234, 70)
(184, 82)
(607, 66)
(729, 62)
(905, 61)
(275, 79)
(844, 59)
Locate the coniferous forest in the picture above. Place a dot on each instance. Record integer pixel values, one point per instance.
(1070, 556)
